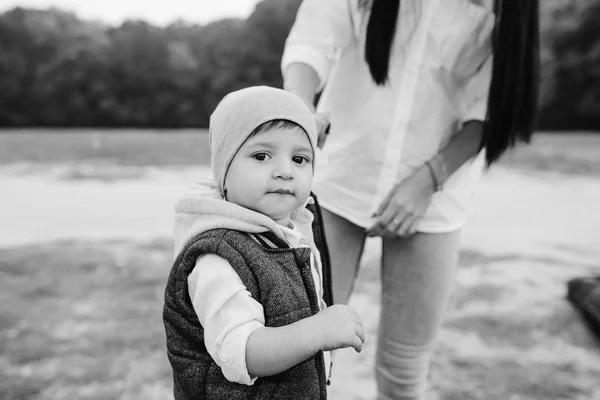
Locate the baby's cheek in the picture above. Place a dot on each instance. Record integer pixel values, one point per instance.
(307, 187)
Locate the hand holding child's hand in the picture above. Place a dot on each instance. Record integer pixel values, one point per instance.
(339, 326)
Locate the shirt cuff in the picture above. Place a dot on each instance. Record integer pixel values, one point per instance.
(310, 56)
(477, 112)
(233, 353)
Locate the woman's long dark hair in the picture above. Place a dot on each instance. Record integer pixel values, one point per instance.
(514, 87)
(381, 30)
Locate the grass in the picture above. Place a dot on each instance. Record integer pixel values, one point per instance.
(509, 334)
(570, 153)
(567, 153)
(82, 320)
(123, 147)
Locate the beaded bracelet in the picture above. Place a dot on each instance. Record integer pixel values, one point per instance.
(438, 175)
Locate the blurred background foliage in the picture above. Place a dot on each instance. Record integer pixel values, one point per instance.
(61, 71)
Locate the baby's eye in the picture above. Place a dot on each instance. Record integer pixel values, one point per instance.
(300, 159)
(260, 156)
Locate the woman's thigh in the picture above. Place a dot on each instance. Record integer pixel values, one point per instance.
(417, 278)
(346, 242)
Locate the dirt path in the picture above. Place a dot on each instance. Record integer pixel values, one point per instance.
(513, 211)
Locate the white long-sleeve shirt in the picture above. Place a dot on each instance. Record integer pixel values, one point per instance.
(439, 74)
(229, 314)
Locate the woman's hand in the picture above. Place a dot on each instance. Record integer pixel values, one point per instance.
(322, 120)
(404, 205)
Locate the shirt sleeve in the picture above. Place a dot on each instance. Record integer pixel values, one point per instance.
(320, 30)
(228, 313)
(474, 94)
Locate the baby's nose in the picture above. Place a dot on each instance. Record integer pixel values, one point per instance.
(284, 170)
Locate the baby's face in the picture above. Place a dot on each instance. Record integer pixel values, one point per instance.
(272, 173)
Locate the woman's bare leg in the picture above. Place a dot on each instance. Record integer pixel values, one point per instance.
(417, 278)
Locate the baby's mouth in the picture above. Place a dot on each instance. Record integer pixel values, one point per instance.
(282, 191)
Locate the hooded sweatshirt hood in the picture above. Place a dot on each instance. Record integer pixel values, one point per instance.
(203, 208)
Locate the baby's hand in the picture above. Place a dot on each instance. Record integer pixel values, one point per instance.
(339, 326)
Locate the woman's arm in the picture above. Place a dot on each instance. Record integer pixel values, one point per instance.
(321, 29)
(401, 210)
(467, 142)
(464, 146)
(473, 98)
(302, 80)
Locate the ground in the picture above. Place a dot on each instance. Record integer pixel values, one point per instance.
(85, 251)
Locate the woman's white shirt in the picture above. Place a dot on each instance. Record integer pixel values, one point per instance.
(439, 74)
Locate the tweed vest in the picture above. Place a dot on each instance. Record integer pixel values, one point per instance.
(280, 279)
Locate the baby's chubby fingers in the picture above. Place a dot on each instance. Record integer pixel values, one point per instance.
(360, 336)
(357, 344)
(359, 331)
(358, 323)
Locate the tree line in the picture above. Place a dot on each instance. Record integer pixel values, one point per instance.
(61, 71)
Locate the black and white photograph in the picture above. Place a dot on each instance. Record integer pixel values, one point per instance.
(300, 200)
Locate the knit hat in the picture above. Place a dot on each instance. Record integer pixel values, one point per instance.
(241, 112)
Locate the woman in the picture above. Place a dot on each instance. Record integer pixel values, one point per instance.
(423, 95)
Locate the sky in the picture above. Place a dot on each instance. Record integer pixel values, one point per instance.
(157, 12)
